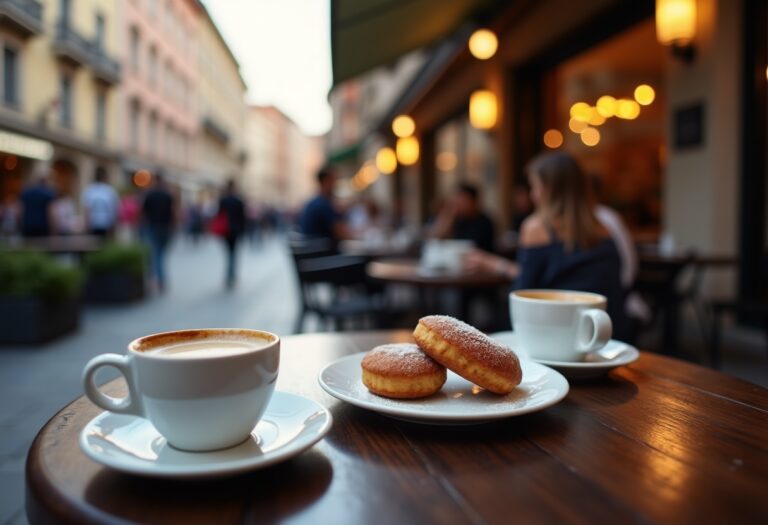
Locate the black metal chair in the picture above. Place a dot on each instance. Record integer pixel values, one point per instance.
(335, 288)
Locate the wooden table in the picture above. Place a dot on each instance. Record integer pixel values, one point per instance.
(659, 441)
(408, 271)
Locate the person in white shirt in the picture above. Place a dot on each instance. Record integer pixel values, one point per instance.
(635, 306)
(101, 203)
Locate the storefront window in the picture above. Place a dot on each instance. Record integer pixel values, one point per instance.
(464, 154)
(607, 107)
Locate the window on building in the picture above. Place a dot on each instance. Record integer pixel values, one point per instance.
(135, 44)
(152, 66)
(10, 76)
(101, 114)
(134, 117)
(169, 142)
(65, 9)
(99, 36)
(169, 78)
(65, 100)
(152, 133)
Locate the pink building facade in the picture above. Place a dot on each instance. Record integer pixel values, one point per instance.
(157, 95)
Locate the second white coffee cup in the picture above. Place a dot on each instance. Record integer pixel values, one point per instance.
(201, 389)
(559, 325)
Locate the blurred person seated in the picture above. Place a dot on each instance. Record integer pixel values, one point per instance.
(36, 213)
(636, 308)
(562, 244)
(320, 218)
(366, 220)
(461, 218)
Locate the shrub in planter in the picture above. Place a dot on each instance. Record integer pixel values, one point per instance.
(115, 273)
(39, 298)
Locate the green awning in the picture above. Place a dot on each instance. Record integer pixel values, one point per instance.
(369, 33)
(349, 153)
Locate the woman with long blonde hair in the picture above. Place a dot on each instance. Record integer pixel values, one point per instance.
(562, 244)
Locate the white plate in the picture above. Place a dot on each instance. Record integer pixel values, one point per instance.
(291, 424)
(595, 364)
(458, 402)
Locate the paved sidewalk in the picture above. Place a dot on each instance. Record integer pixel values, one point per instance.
(35, 382)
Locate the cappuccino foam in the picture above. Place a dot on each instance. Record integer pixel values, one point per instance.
(207, 348)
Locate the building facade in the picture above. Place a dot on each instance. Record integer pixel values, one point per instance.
(159, 119)
(219, 152)
(59, 107)
(281, 160)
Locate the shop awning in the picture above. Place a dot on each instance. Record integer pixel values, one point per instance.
(349, 153)
(371, 33)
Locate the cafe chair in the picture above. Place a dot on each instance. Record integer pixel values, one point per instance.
(754, 311)
(336, 289)
(658, 281)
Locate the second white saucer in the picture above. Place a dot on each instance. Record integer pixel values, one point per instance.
(595, 364)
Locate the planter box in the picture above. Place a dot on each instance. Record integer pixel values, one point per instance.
(34, 320)
(114, 287)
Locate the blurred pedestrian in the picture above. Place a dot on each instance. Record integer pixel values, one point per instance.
(320, 218)
(36, 200)
(158, 212)
(232, 217)
(10, 212)
(462, 218)
(102, 205)
(195, 222)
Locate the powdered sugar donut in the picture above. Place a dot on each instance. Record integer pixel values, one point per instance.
(402, 371)
(470, 353)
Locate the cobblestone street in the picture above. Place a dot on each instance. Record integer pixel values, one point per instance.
(35, 382)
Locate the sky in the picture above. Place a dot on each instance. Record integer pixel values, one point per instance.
(283, 47)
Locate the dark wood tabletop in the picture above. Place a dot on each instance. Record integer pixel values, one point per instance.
(659, 441)
(407, 271)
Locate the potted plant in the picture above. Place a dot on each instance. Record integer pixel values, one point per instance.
(39, 298)
(115, 273)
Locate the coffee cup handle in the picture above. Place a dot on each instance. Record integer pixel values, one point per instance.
(596, 328)
(124, 405)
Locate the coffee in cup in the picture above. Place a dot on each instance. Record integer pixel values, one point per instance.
(202, 389)
(559, 325)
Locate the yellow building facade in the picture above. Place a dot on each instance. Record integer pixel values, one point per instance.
(58, 110)
(219, 145)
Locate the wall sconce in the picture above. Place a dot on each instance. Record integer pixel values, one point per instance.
(407, 150)
(483, 109)
(676, 27)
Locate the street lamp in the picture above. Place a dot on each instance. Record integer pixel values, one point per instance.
(407, 150)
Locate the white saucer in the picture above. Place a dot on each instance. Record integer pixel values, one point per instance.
(131, 444)
(596, 364)
(459, 401)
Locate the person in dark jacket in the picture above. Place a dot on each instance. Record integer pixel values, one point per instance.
(158, 215)
(233, 208)
(36, 200)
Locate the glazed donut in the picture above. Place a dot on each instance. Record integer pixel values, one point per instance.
(401, 371)
(469, 352)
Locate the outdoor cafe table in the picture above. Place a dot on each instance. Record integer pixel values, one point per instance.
(408, 271)
(658, 441)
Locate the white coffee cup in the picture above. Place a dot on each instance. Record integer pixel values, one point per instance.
(202, 389)
(559, 325)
